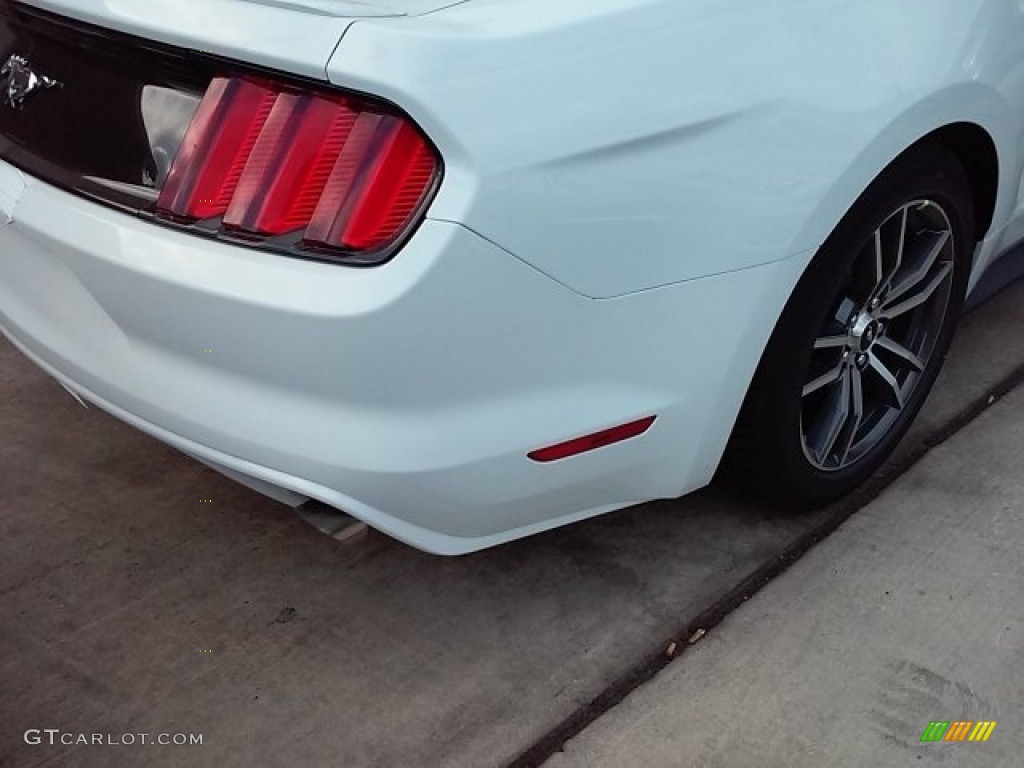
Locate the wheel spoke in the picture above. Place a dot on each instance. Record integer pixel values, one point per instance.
(855, 418)
(879, 261)
(884, 275)
(824, 380)
(829, 426)
(906, 358)
(830, 342)
(892, 392)
(919, 297)
(902, 244)
(921, 272)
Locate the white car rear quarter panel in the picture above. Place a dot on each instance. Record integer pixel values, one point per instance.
(619, 146)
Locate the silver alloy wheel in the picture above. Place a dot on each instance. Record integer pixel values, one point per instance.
(880, 336)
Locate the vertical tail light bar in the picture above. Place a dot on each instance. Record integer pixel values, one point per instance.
(375, 188)
(216, 147)
(290, 164)
(331, 174)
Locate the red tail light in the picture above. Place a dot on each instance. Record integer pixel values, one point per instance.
(328, 173)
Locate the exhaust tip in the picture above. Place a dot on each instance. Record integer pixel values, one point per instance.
(330, 521)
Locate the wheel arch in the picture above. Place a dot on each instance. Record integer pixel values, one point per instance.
(929, 121)
(970, 120)
(748, 448)
(976, 150)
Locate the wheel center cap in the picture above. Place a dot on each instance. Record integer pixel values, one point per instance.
(864, 332)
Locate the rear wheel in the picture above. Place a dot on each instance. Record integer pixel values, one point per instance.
(862, 338)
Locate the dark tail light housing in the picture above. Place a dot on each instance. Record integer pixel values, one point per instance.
(324, 174)
(205, 145)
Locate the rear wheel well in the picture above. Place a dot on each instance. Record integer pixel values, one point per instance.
(767, 454)
(974, 148)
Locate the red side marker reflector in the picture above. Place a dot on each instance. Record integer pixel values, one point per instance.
(590, 442)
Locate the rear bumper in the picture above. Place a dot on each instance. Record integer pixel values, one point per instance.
(407, 395)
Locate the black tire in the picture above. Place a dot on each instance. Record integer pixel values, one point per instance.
(768, 455)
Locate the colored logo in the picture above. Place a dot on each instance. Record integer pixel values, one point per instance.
(958, 730)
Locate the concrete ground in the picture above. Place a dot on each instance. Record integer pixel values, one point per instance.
(142, 592)
(912, 612)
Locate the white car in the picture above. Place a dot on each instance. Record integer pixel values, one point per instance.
(472, 270)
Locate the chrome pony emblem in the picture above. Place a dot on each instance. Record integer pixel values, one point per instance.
(22, 81)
